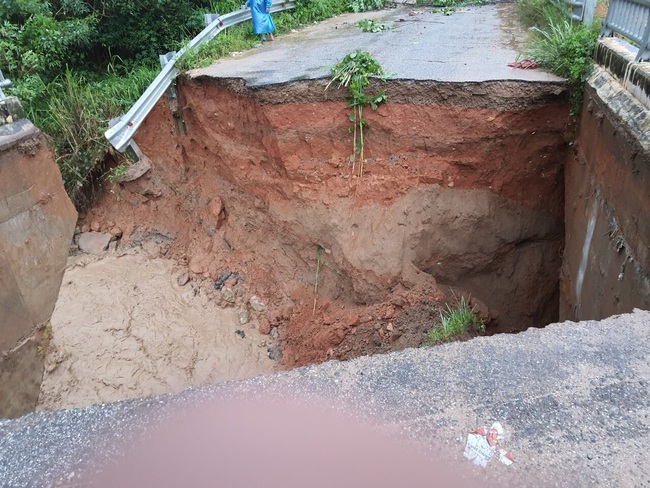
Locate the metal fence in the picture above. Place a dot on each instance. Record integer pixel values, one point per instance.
(630, 19)
(124, 128)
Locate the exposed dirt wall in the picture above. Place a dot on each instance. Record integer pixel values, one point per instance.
(461, 188)
(607, 259)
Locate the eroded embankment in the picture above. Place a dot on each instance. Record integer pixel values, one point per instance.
(463, 187)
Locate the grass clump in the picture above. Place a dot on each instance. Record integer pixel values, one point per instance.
(538, 13)
(354, 72)
(565, 49)
(454, 323)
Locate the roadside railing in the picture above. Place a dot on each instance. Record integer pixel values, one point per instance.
(630, 19)
(122, 129)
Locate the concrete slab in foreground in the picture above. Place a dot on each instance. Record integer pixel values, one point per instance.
(472, 44)
(574, 397)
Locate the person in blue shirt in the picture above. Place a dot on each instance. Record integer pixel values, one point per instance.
(262, 22)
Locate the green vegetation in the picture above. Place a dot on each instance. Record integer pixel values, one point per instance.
(454, 323)
(559, 45)
(366, 5)
(76, 64)
(367, 25)
(354, 72)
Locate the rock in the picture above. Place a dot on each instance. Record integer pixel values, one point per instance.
(275, 353)
(195, 266)
(228, 294)
(112, 247)
(265, 326)
(95, 226)
(389, 327)
(85, 228)
(110, 224)
(256, 304)
(216, 207)
(328, 320)
(183, 278)
(351, 319)
(389, 313)
(94, 242)
(240, 333)
(135, 171)
(243, 315)
(274, 333)
(366, 318)
(116, 232)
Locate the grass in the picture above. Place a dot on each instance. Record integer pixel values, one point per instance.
(75, 111)
(454, 323)
(566, 50)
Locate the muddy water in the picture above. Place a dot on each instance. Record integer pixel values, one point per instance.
(124, 328)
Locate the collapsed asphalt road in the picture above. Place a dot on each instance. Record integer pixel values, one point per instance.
(573, 398)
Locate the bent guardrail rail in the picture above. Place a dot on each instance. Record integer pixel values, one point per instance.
(630, 19)
(124, 128)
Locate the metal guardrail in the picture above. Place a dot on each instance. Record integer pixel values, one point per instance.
(578, 10)
(3, 84)
(124, 128)
(630, 19)
(574, 9)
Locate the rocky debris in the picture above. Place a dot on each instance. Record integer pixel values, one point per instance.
(135, 171)
(116, 232)
(241, 333)
(221, 281)
(264, 326)
(243, 315)
(183, 278)
(94, 242)
(217, 209)
(275, 353)
(257, 304)
(228, 295)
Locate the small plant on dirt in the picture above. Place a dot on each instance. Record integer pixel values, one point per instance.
(367, 25)
(320, 249)
(455, 322)
(354, 72)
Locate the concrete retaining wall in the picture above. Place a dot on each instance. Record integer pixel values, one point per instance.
(37, 222)
(607, 258)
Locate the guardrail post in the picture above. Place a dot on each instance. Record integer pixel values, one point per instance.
(644, 46)
(3, 84)
(209, 18)
(172, 95)
(589, 11)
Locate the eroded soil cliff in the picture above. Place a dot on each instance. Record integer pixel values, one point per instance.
(461, 194)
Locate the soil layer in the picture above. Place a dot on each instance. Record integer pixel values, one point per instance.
(460, 190)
